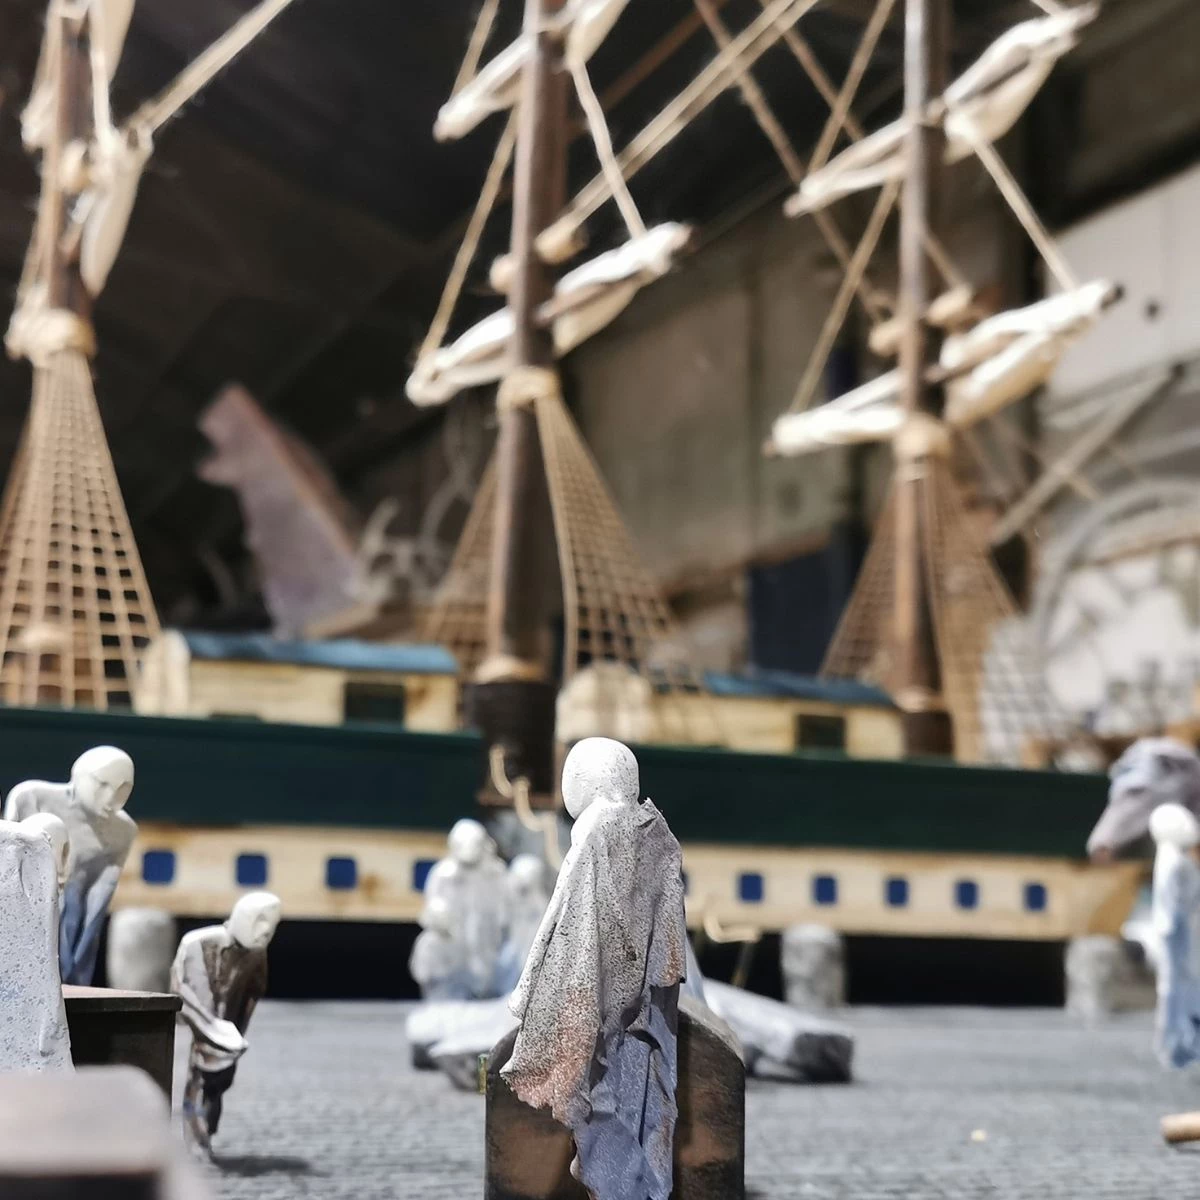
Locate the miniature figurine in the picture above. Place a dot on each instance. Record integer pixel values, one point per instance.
(527, 901)
(220, 974)
(33, 1035)
(1152, 772)
(100, 833)
(1176, 918)
(598, 1000)
(438, 962)
(471, 882)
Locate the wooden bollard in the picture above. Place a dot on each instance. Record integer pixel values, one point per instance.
(528, 1154)
(1181, 1127)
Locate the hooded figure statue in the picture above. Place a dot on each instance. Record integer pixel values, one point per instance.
(1176, 919)
(598, 1000)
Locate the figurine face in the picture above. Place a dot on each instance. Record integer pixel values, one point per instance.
(254, 919)
(468, 842)
(599, 768)
(102, 780)
(526, 874)
(436, 916)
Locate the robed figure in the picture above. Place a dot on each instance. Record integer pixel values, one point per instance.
(1176, 921)
(598, 999)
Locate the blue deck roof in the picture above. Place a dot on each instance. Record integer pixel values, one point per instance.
(799, 687)
(344, 654)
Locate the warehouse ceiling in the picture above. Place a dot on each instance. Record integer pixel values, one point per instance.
(294, 227)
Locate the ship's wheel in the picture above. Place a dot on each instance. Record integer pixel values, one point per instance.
(1117, 616)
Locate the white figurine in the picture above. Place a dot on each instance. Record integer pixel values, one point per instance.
(33, 1034)
(528, 897)
(438, 962)
(598, 999)
(471, 883)
(1176, 920)
(220, 974)
(100, 833)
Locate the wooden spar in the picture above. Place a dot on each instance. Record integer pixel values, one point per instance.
(926, 723)
(72, 125)
(539, 188)
(512, 700)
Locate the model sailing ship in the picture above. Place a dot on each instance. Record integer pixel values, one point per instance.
(773, 863)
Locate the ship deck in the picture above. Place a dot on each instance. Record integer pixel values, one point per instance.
(965, 1103)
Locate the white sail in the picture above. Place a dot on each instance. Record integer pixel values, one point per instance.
(1002, 359)
(585, 301)
(984, 102)
(584, 23)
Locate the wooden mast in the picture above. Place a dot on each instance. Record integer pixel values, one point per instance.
(512, 701)
(926, 722)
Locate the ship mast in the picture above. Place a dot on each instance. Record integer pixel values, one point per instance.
(512, 700)
(926, 722)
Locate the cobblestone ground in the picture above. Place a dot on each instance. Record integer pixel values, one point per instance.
(949, 1103)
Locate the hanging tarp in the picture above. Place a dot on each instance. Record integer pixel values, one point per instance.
(983, 103)
(584, 24)
(1002, 359)
(585, 301)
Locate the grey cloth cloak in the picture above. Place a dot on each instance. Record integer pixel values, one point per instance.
(598, 1001)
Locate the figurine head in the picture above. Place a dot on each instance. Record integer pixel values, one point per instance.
(599, 769)
(1151, 773)
(101, 780)
(468, 842)
(527, 875)
(1173, 825)
(437, 917)
(55, 832)
(254, 919)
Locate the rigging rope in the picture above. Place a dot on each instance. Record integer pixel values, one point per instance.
(479, 37)
(155, 112)
(747, 47)
(792, 164)
(841, 303)
(604, 150)
(1013, 194)
(471, 239)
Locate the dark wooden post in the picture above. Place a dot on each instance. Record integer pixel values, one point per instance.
(512, 701)
(927, 728)
(72, 125)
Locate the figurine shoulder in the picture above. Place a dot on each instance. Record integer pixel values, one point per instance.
(33, 795)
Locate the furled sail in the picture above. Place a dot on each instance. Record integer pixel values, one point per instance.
(585, 24)
(998, 361)
(983, 103)
(585, 301)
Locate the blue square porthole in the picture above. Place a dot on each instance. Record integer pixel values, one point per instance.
(966, 893)
(341, 874)
(421, 869)
(895, 892)
(251, 870)
(158, 867)
(824, 889)
(1035, 897)
(750, 887)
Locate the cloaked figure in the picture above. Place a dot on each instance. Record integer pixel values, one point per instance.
(528, 897)
(100, 834)
(471, 883)
(220, 974)
(33, 1035)
(598, 1000)
(438, 962)
(1176, 922)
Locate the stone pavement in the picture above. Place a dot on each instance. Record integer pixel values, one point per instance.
(962, 1104)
